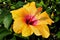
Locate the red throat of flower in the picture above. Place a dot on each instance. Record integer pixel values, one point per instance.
(29, 19)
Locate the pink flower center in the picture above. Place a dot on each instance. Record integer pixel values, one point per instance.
(29, 19)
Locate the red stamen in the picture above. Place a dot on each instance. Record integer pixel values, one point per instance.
(38, 10)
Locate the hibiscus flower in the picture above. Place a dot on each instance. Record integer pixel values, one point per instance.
(29, 19)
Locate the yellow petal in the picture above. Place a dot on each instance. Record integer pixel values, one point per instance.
(25, 10)
(18, 13)
(44, 30)
(18, 25)
(26, 31)
(44, 19)
(37, 16)
(30, 7)
(35, 30)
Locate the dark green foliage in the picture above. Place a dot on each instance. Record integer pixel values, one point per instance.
(7, 21)
(6, 32)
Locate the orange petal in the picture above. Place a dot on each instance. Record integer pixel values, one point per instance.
(44, 19)
(18, 25)
(38, 12)
(35, 30)
(18, 13)
(30, 7)
(44, 30)
(39, 9)
(26, 31)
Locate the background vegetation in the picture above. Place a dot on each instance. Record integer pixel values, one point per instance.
(51, 6)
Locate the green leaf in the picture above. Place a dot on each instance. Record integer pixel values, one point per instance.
(12, 7)
(3, 33)
(1, 19)
(7, 21)
(58, 1)
(14, 38)
(41, 4)
(19, 35)
(4, 12)
(48, 10)
(52, 27)
(58, 35)
(1, 29)
(0, 11)
(56, 19)
(4, 0)
(19, 4)
(0, 0)
(0, 15)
